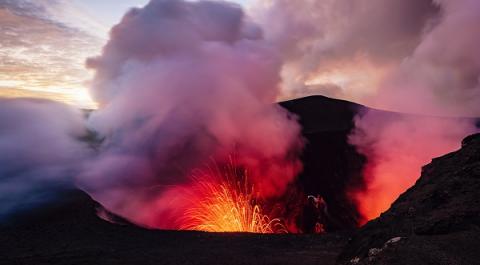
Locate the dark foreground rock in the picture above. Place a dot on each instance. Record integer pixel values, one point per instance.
(435, 222)
(69, 232)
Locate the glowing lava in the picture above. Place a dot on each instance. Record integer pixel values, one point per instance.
(226, 202)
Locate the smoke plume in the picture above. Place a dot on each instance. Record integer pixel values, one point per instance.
(182, 84)
(40, 151)
(408, 56)
(440, 77)
(397, 147)
(342, 48)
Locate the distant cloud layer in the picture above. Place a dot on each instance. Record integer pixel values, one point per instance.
(43, 53)
(44, 45)
(340, 48)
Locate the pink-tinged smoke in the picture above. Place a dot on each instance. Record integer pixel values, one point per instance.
(41, 152)
(440, 77)
(410, 56)
(443, 72)
(182, 84)
(397, 147)
(341, 48)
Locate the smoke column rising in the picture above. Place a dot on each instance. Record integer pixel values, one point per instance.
(441, 77)
(408, 56)
(181, 84)
(397, 148)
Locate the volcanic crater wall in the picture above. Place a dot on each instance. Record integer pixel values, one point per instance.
(435, 222)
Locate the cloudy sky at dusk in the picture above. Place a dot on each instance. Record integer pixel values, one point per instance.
(44, 45)
(365, 51)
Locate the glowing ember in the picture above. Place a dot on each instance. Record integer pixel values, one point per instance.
(226, 202)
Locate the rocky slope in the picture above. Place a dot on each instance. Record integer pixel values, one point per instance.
(437, 221)
(68, 231)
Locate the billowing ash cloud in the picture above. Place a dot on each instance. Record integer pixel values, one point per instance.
(181, 84)
(409, 56)
(380, 53)
(440, 77)
(40, 151)
(341, 48)
(397, 148)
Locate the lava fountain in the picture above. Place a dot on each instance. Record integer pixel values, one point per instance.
(225, 201)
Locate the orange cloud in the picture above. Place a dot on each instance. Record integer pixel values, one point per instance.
(43, 58)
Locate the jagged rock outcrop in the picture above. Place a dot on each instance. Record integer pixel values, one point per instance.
(437, 221)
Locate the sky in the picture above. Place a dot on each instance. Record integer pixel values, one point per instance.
(44, 45)
(364, 51)
(108, 12)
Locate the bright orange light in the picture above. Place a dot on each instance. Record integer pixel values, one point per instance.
(227, 203)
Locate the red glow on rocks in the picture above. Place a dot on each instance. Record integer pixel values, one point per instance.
(396, 148)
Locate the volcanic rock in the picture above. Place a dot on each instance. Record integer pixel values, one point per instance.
(437, 221)
(68, 231)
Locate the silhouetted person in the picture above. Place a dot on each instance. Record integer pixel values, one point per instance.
(322, 210)
(322, 214)
(310, 216)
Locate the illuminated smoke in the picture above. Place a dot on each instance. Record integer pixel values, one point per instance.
(397, 148)
(440, 77)
(410, 56)
(342, 48)
(180, 84)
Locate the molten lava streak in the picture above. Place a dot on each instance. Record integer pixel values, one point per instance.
(226, 202)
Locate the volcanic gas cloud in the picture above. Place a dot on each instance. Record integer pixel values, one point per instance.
(182, 84)
(439, 78)
(411, 56)
(187, 131)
